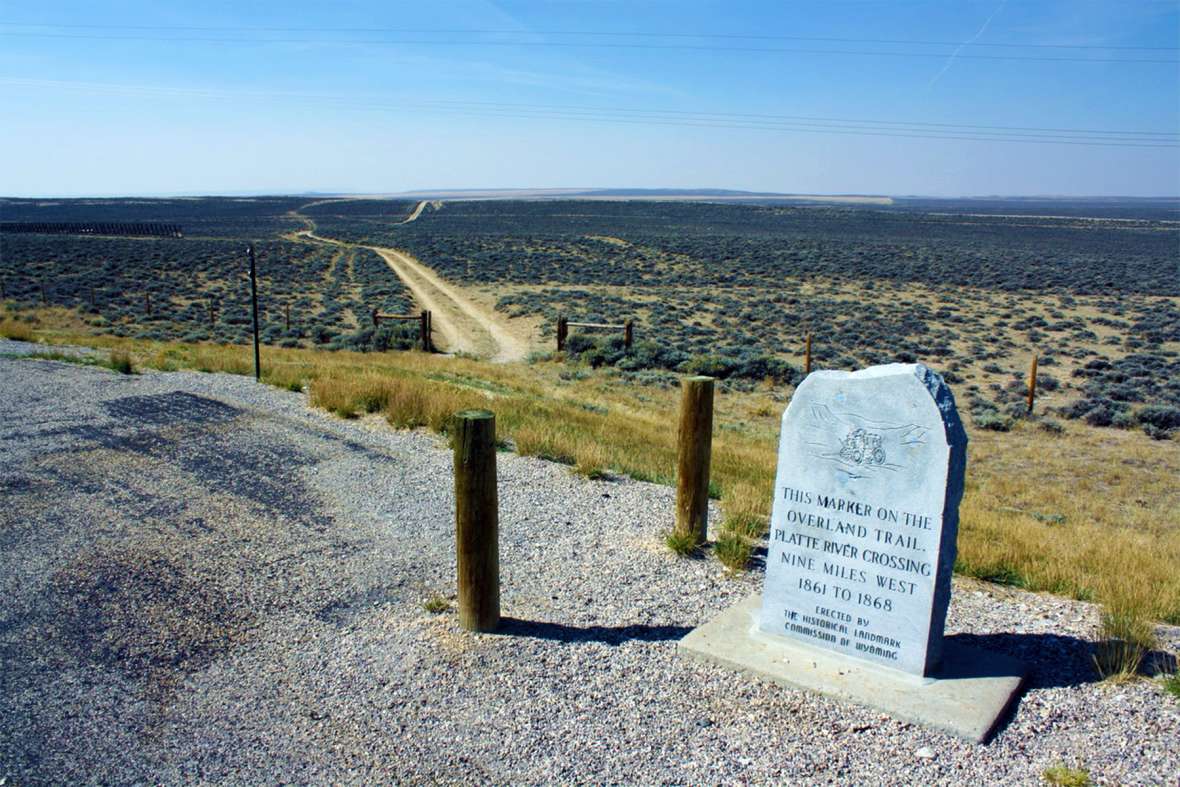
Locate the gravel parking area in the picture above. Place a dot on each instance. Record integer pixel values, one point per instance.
(206, 581)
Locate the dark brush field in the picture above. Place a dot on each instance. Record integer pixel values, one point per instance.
(732, 290)
(162, 288)
(973, 288)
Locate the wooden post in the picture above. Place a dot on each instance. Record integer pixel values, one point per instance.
(807, 357)
(477, 526)
(562, 332)
(1032, 384)
(147, 303)
(694, 449)
(429, 331)
(254, 310)
(287, 312)
(376, 319)
(212, 318)
(92, 305)
(424, 330)
(628, 334)
(44, 299)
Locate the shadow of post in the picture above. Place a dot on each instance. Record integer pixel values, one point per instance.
(608, 635)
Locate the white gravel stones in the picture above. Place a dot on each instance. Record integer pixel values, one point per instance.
(206, 581)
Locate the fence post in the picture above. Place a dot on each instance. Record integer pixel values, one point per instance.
(424, 330)
(147, 303)
(254, 311)
(429, 331)
(807, 357)
(1032, 384)
(477, 526)
(628, 334)
(44, 299)
(694, 450)
(562, 331)
(287, 313)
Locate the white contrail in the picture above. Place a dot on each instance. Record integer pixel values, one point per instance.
(951, 60)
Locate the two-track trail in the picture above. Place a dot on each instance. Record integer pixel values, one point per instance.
(461, 323)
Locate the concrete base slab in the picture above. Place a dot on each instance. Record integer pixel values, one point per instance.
(966, 697)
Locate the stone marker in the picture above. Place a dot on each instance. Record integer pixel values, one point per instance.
(866, 510)
(861, 548)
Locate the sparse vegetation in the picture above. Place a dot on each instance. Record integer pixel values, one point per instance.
(15, 329)
(1126, 634)
(436, 604)
(733, 550)
(1111, 505)
(1172, 684)
(683, 544)
(1062, 775)
(120, 361)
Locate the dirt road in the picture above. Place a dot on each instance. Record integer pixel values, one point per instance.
(416, 212)
(462, 324)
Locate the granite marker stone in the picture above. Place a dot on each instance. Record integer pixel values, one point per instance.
(865, 515)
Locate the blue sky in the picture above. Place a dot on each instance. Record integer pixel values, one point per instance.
(227, 97)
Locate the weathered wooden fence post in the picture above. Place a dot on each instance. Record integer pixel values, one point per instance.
(287, 313)
(1032, 384)
(254, 311)
(694, 450)
(429, 331)
(807, 357)
(628, 334)
(562, 332)
(424, 330)
(477, 526)
(147, 303)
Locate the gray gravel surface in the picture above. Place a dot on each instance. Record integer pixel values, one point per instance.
(205, 581)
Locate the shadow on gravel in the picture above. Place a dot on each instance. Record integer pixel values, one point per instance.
(1053, 660)
(609, 635)
(177, 407)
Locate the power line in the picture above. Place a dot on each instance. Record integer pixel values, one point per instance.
(1167, 134)
(753, 119)
(589, 33)
(583, 45)
(676, 118)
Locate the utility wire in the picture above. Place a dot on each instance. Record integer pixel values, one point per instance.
(586, 33)
(699, 120)
(581, 45)
(752, 119)
(1167, 134)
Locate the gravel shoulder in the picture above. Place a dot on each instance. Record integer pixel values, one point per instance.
(205, 580)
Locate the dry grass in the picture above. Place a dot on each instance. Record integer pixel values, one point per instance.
(733, 550)
(120, 361)
(1064, 776)
(683, 544)
(1091, 513)
(15, 329)
(746, 507)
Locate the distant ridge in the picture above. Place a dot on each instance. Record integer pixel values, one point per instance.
(678, 195)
